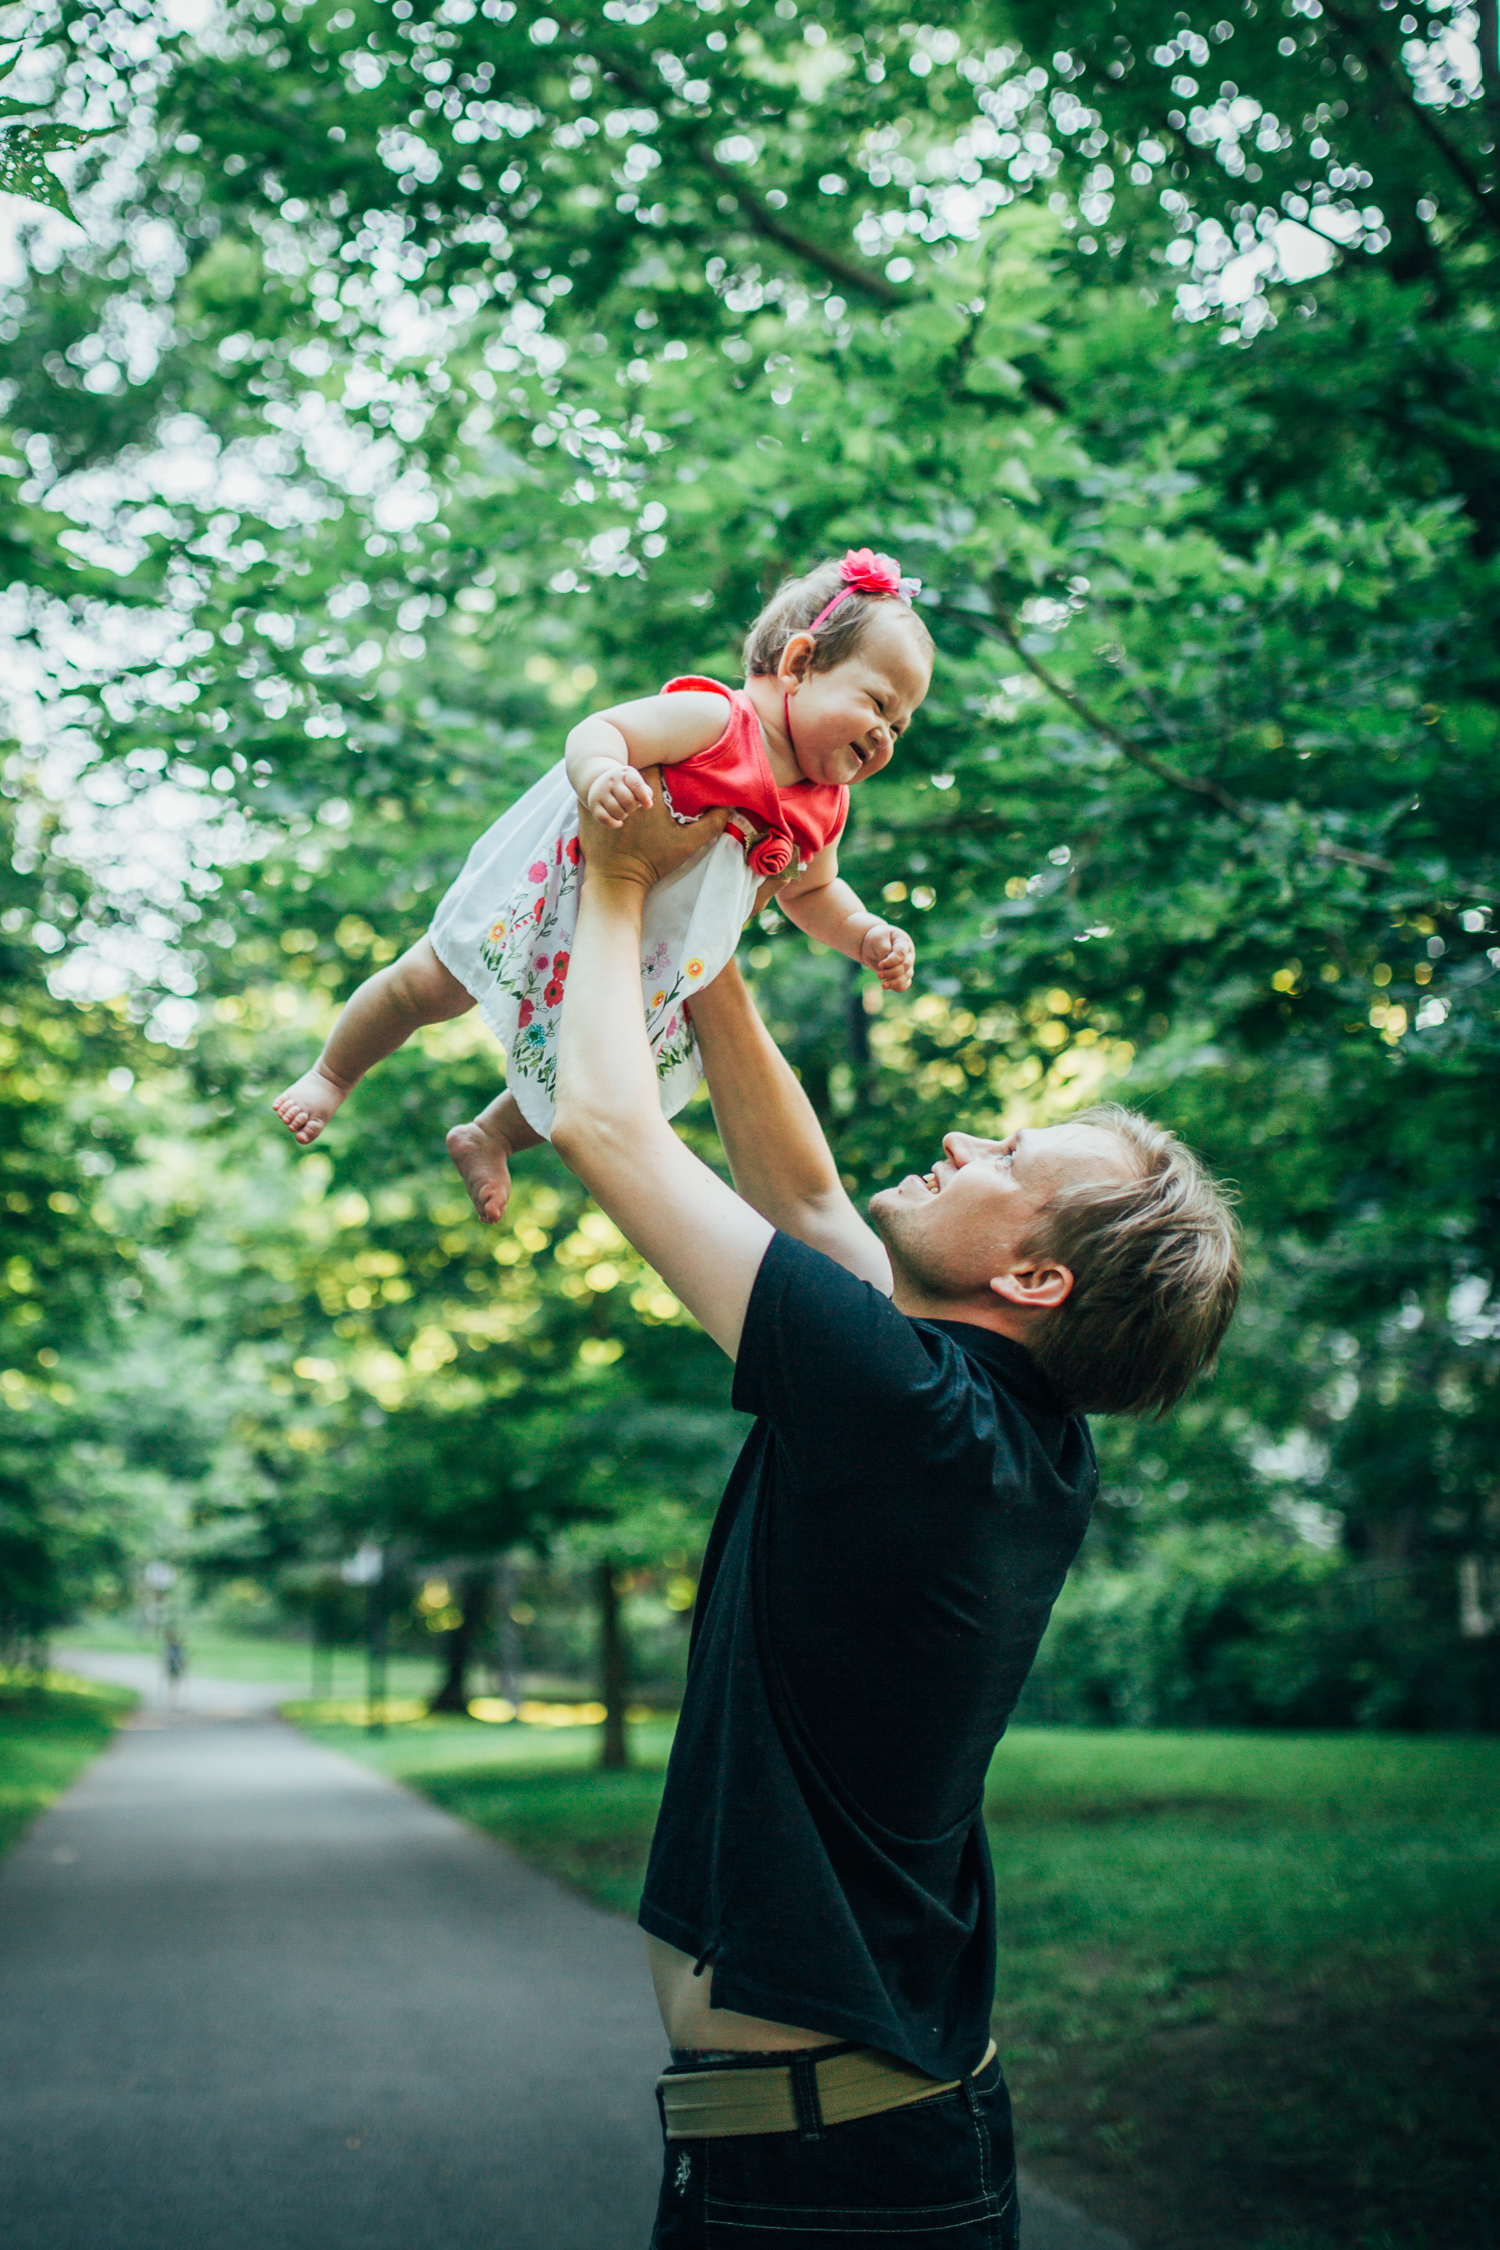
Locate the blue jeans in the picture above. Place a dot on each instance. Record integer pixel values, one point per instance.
(940, 2175)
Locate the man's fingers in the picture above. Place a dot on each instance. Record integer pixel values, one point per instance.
(653, 844)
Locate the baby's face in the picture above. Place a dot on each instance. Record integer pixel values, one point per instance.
(845, 722)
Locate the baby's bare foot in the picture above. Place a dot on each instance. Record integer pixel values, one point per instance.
(307, 1105)
(483, 1161)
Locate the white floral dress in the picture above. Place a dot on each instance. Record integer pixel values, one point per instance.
(505, 929)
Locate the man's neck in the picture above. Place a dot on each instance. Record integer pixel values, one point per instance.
(987, 1311)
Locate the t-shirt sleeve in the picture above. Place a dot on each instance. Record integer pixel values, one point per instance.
(835, 1369)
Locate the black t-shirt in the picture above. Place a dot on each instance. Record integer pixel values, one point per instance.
(880, 1574)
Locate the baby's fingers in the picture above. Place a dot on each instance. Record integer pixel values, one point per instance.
(896, 962)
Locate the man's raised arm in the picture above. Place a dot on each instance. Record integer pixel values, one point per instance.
(608, 1128)
(777, 1151)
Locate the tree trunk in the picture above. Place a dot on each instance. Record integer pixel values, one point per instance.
(616, 1752)
(507, 1635)
(458, 1648)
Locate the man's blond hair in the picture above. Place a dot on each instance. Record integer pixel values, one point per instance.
(1156, 1268)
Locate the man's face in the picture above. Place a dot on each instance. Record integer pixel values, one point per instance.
(967, 1222)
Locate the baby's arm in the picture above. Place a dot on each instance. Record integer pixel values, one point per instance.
(826, 907)
(605, 750)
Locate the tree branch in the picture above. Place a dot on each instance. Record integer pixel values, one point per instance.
(759, 216)
(1376, 59)
(1002, 627)
(1489, 63)
(1120, 658)
(763, 221)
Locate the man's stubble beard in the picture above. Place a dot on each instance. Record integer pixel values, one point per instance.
(918, 1274)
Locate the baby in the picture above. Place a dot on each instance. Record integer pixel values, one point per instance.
(836, 664)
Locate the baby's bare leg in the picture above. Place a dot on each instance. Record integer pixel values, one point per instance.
(482, 1151)
(374, 1021)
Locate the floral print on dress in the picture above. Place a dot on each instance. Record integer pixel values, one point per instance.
(520, 957)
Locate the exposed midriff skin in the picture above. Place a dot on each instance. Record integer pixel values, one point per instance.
(690, 2020)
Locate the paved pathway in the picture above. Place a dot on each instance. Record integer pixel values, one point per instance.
(258, 1998)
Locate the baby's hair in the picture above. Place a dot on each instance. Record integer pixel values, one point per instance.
(794, 605)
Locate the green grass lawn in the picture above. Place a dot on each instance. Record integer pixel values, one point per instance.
(1262, 1970)
(1248, 1986)
(49, 1730)
(220, 1654)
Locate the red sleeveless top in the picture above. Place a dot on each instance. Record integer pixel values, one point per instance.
(735, 771)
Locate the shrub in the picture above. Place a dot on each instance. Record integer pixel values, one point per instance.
(1224, 1626)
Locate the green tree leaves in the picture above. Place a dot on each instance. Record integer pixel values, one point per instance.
(457, 368)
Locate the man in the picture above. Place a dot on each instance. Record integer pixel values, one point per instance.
(819, 1906)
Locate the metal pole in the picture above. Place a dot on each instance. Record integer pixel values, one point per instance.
(375, 1674)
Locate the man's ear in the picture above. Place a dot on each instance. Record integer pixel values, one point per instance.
(1040, 1286)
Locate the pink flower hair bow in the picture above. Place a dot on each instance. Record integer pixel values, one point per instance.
(865, 572)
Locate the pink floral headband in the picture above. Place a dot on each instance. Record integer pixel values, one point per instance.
(865, 572)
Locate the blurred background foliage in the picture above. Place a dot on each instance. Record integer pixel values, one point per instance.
(421, 376)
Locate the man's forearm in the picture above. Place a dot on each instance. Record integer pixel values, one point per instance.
(777, 1153)
(607, 1125)
(606, 1079)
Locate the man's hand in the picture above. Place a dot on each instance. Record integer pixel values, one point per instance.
(891, 954)
(651, 845)
(780, 1161)
(607, 1126)
(617, 794)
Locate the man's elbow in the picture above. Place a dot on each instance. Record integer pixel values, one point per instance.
(575, 1128)
(589, 1137)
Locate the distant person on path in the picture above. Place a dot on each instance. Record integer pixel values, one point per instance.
(836, 665)
(820, 1905)
(174, 1662)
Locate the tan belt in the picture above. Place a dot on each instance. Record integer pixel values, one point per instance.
(700, 2105)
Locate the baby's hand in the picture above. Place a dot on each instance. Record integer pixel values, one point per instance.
(891, 954)
(617, 793)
